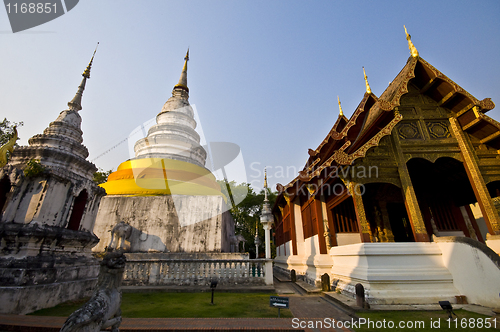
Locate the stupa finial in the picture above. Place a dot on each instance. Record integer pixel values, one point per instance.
(413, 49)
(265, 185)
(183, 79)
(368, 90)
(76, 103)
(340, 107)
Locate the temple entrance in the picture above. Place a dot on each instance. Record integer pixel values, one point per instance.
(78, 209)
(444, 194)
(400, 223)
(386, 213)
(4, 190)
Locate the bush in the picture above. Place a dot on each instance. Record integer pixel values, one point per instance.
(33, 169)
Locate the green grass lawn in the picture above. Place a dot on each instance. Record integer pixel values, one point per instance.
(184, 305)
(467, 321)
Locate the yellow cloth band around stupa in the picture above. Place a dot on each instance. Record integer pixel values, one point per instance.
(157, 176)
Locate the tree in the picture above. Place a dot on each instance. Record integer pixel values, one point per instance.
(101, 176)
(6, 130)
(246, 213)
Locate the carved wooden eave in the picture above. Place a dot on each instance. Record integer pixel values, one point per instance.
(468, 110)
(339, 125)
(375, 118)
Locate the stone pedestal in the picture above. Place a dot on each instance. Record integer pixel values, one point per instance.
(393, 273)
(167, 223)
(62, 270)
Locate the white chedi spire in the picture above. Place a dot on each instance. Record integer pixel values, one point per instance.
(174, 136)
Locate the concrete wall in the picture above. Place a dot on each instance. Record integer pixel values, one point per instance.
(169, 223)
(475, 269)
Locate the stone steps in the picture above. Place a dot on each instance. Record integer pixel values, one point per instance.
(309, 289)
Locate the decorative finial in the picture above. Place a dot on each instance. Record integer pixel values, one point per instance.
(266, 200)
(86, 72)
(183, 79)
(413, 49)
(76, 103)
(340, 107)
(368, 90)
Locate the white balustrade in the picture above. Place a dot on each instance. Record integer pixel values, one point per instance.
(194, 271)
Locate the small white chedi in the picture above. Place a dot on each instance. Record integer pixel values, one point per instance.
(48, 204)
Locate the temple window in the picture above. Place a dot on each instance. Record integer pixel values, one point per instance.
(78, 209)
(344, 217)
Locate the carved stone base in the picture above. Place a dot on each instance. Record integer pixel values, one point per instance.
(393, 273)
(167, 223)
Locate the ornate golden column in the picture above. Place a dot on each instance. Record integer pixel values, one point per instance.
(483, 197)
(363, 225)
(411, 202)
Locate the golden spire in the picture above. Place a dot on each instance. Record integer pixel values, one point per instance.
(368, 90)
(266, 200)
(413, 49)
(183, 79)
(76, 103)
(340, 107)
(86, 72)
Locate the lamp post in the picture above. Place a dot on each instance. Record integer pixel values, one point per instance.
(267, 220)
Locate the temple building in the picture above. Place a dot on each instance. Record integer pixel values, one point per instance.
(385, 199)
(48, 203)
(167, 197)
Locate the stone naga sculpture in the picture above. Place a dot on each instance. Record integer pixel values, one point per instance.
(7, 147)
(119, 234)
(103, 308)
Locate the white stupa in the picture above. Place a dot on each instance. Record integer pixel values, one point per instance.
(174, 136)
(173, 202)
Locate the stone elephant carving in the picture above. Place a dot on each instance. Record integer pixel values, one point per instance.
(235, 242)
(119, 234)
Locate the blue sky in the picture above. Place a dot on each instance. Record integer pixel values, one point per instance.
(263, 74)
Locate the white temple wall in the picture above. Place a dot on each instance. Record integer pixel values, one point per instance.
(299, 230)
(344, 239)
(40, 200)
(311, 246)
(52, 204)
(89, 218)
(475, 275)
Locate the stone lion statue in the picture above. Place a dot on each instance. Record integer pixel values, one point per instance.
(103, 308)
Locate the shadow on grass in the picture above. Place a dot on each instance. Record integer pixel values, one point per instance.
(184, 305)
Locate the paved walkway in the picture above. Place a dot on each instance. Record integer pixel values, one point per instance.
(314, 312)
(307, 309)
